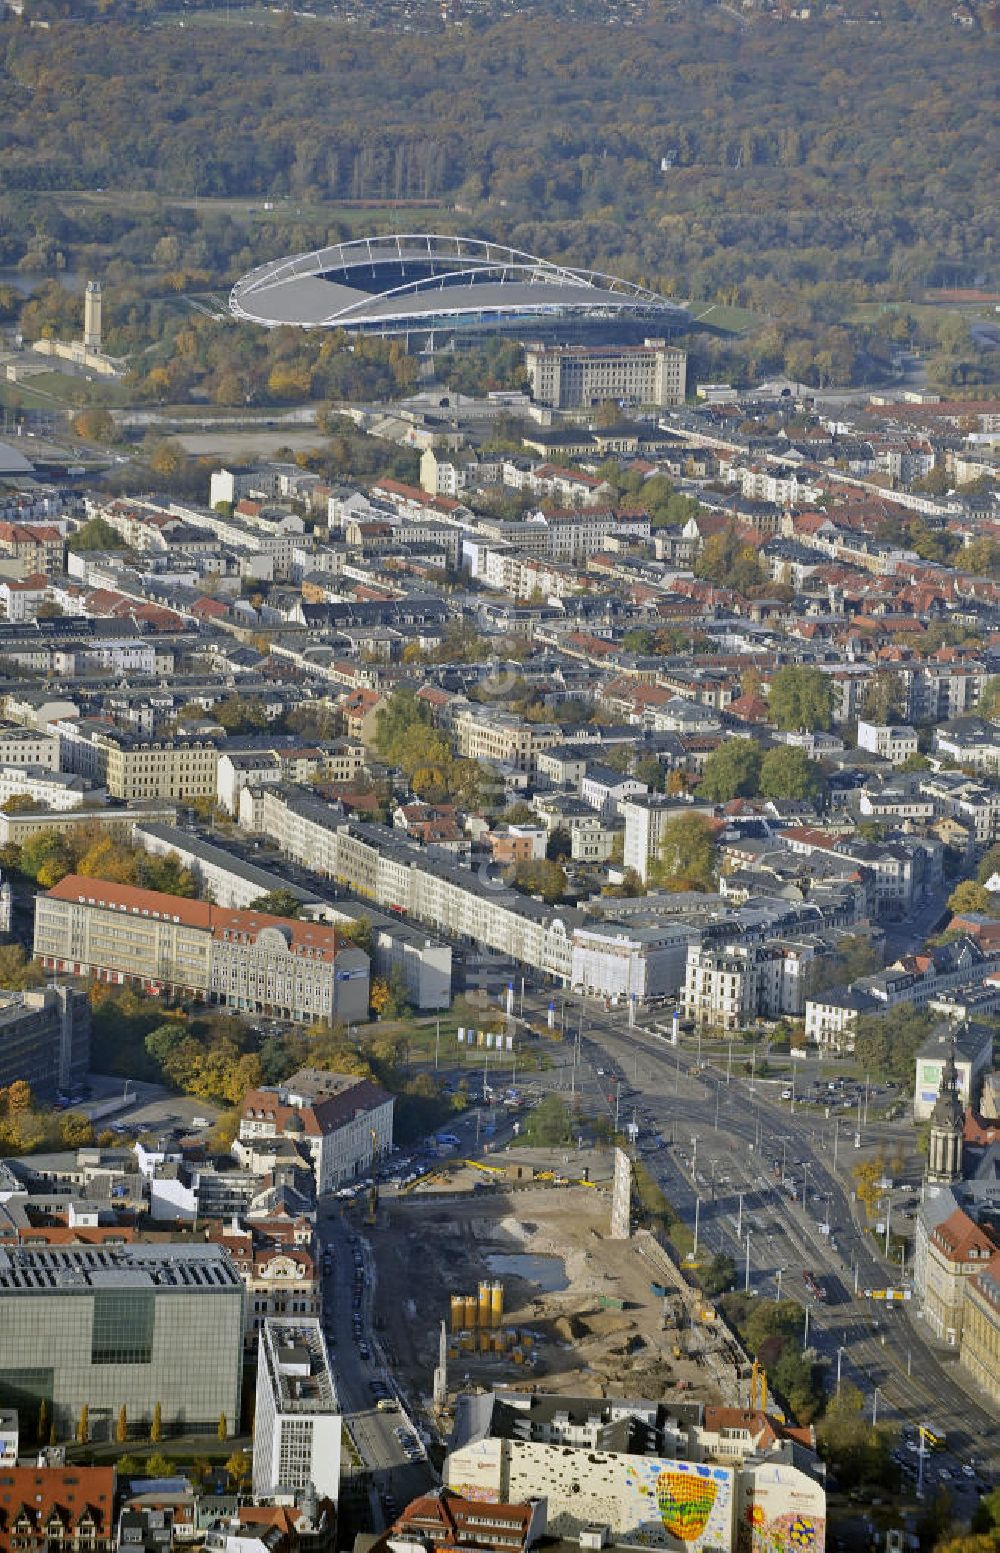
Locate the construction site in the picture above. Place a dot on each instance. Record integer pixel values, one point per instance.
(520, 1266)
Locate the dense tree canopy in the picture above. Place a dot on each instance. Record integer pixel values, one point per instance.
(651, 150)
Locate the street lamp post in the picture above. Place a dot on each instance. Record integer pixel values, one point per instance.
(875, 1408)
(718, 1093)
(777, 1276)
(840, 1355)
(805, 1331)
(697, 1218)
(836, 1140)
(739, 1218)
(805, 1182)
(437, 1043)
(746, 1284)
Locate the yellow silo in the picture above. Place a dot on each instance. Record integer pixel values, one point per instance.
(457, 1312)
(496, 1304)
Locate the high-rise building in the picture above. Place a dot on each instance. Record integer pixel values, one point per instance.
(581, 377)
(92, 308)
(131, 1326)
(297, 1423)
(44, 1038)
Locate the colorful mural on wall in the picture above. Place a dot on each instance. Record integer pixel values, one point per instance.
(680, 1501)
(782, 1511)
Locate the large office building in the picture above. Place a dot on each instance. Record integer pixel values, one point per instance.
(45, 1039)
(581, 377)
(241, 959)
(128, 1326)
(297, 1422)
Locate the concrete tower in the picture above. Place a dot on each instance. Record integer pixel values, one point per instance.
(944, 1157)
(92, 316)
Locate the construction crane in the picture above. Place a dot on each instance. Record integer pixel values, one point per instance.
(758, 1388)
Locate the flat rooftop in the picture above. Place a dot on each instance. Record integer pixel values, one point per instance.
(86, 1269)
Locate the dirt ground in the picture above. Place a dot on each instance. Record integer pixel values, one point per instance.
(429, 1246)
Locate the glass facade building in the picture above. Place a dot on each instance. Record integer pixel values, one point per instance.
(131, 1325)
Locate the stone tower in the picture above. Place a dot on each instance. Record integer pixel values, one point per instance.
(944, 1158)
(92, 316)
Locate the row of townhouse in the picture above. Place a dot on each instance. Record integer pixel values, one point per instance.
(728, 986)
(502, 738)
(636, 961)
(921, 980)
(378, 864)
(902, 873)
(922, 799)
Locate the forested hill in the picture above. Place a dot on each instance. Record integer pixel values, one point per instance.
(691, 151)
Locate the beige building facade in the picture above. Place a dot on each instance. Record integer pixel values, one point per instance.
(239, 959)
(571, 377)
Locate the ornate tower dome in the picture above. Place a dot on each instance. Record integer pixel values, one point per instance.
(944, 1159)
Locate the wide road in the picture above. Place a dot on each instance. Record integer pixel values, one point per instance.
(727, 1132)
(394, 1477)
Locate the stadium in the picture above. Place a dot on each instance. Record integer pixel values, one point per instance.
(425, 282)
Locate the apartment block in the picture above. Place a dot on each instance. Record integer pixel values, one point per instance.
(342, 1122)
(574, 377)
(239, 959)
(122, 1326)
(501, 738)
(891, 741)
(297, 1422)
(729, 986)
(28, 747)
(133, 767)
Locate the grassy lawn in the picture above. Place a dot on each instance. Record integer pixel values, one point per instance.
(733, 320)
(421, 1037)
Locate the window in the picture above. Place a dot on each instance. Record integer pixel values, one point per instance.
(123, 1327)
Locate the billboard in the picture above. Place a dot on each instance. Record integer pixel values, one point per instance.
(782, 1511)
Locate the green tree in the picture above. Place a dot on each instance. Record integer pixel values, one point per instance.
(719, 1275)
(970, 896)
(729, 561)
(788, 772)
(989, 863)
(851, 1447)
(854, 958)
(83, 1426)
(17, 971)
(731, 771)
(156, 1425)
(549, 1124)
(687, 854)
(649, 770)
(886, 1044)
(801, 699)
(540, 877)
(884, 699)
(277, 903)
(640, 640)
(97, 534)
(989, 700)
